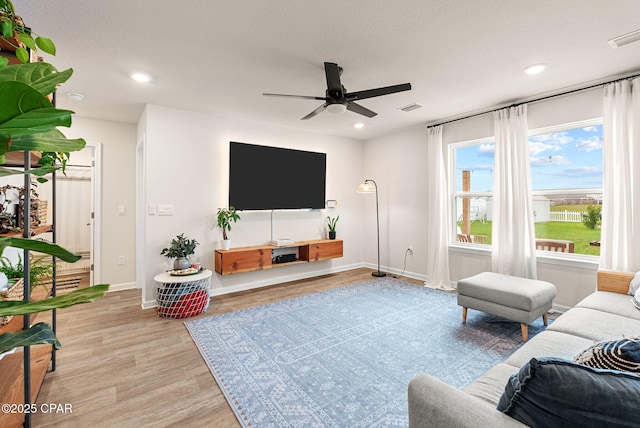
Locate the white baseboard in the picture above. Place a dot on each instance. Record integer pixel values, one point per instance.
(122, 286)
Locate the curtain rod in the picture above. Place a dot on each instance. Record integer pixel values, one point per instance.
(536, 100)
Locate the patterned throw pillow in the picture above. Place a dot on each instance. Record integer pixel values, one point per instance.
(622, 355)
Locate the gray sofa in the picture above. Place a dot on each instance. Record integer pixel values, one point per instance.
(607, 314)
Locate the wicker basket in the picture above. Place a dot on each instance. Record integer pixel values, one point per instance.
(14, 292)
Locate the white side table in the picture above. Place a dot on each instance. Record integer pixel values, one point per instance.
(182, 296)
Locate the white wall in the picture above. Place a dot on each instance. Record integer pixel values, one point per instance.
(398, 165)
(117, 234)
(399, 162)
(187, 166)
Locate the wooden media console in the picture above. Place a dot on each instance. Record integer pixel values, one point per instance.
(248, 259)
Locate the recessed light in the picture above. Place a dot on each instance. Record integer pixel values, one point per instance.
(535, 69)
(74, 96)
(141, 77)
(359, 125)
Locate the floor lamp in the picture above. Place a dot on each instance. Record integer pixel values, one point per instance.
(370, 186)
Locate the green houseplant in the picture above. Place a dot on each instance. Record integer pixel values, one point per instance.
(331, 224)
(28, 122)
(180, 250)
(39, 269)
(225, 217)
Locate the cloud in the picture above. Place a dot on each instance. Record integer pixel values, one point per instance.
(589, 144)
(555, 138)
(487, 149)
(477, 167)
(537, 147)
(591, 129)
(583, 171)
(548, 161)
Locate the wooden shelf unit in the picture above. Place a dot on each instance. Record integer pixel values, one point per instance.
(248, 259)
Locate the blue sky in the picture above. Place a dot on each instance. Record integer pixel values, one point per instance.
(559, 160)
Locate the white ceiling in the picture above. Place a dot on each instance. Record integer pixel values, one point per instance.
(220, 56)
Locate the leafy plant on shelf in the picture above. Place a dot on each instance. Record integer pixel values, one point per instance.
(39, 269)
(225, 217)
(332, 222)
(180, 247)
(28, 122)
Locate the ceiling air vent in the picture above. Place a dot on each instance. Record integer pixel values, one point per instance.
(625, 39)
(410, 107)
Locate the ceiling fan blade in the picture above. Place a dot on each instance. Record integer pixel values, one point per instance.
(334, 87)
(357, 108)
(304, 97)
(316, 112)
(370, 93)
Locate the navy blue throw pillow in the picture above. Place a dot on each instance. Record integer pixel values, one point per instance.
(552, 392)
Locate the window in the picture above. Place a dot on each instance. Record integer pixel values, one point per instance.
(566, 179)
(473, 166)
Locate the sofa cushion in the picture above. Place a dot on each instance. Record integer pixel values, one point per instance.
(623, 355)
(595, 325)
(547, 344)
(614, 303)
(490, 386)
(552, 392)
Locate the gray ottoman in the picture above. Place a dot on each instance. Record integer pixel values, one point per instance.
(510, 297)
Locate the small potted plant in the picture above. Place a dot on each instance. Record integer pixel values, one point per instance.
(180, 250)
(331, 223)
(225, 217)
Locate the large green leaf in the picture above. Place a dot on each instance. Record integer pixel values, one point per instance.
(4, 171)
(40, 75)
(39, 246)
(82, 295)
(50, 141)
(37, 334)
(26, 111)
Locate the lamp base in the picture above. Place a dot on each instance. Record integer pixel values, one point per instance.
(379, 274)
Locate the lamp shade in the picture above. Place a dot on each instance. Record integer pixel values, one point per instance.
(366, 187)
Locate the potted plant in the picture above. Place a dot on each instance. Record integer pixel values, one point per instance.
(225, 217)
(180, 250)
(331, 223)
(39, 269)
(29, 122)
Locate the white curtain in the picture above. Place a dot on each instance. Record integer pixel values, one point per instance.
(513, 233)
(620, 238)
(73, 193)
(437, 215)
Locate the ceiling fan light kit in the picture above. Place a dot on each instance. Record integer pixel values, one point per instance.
(338, 100)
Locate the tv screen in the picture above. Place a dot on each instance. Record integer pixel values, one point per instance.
(273, 178)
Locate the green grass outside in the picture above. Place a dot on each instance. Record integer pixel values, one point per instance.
(576, 232)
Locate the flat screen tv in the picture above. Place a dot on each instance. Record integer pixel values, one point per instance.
(273, 178)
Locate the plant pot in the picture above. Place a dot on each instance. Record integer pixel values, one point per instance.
(181, 263)
(332, 235)
(226, 244)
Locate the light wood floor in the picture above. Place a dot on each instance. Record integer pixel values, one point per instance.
(125, 367)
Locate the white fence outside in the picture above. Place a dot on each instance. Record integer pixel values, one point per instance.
(567, 216)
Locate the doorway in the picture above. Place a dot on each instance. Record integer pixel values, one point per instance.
(77, 218)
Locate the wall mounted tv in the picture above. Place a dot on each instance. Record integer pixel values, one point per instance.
(273, 178)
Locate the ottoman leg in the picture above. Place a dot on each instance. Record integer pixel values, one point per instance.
(545, 318)
(464, 315)
(525, 331)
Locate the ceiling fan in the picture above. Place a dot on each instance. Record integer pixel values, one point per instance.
(337, 99)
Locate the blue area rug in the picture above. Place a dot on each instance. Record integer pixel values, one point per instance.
(344, 357)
